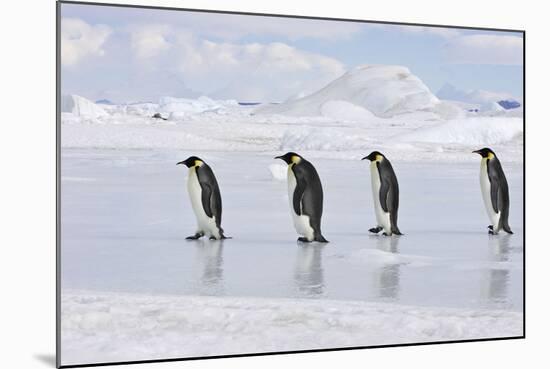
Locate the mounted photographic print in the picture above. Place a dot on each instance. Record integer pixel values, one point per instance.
(245, 184)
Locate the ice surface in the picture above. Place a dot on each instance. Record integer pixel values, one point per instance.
(278, 171)
(124, 327)
(384, 90)
(125, 215)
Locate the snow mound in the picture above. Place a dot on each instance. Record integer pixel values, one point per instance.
(177, 108)
(141, 109)
(472, 131)
(343, 110)
(81, 107)
(184, 106)
(278, 172)
(383, 90)
(119, 327)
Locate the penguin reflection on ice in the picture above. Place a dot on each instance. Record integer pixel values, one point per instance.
(385, 193)
(205, 198)
(306, 197)
(494, 189)
(496, 284)
(308, 271)
(389, 274)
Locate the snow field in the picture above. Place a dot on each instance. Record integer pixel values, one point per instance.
(117, 327)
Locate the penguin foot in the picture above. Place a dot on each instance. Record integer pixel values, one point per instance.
(320, 238)
(385, 234)
(375, 229)
(490, 227)
(222, 237)
(491, 232)
(196, 236)
(397, 232)
(303, 239)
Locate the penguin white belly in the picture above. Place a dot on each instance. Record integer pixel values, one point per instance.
(204, 222)
(494, 218)
(301, 222)
(382, 217)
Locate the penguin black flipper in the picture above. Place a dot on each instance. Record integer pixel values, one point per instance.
(206, 195)
(384, 191)
(495, 186)
(389, 193)
(211, 197)
(500, 198)
(308, 196)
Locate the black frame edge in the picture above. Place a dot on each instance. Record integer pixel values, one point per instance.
(58, 186)
(156, 7)
(290, 352)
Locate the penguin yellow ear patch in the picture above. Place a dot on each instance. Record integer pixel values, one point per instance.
(295, 159)
(198, 163)
(379, 157)
(490, 155)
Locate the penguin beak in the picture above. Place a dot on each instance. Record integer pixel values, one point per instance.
(278, 157)
(181, 162)
(475, 152)
(366, 157)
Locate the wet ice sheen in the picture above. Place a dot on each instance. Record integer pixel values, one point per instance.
(125, 219)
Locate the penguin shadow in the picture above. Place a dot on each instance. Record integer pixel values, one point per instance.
(308, 270)
(496, 290)
(210, 256)
(388, 275)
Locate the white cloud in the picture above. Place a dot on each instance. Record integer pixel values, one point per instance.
(80, 40)
(255, 71)
(244, 71)
(485, 49)
(149, 41)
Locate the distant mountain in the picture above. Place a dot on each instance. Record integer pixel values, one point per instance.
(478, 97)
(104, 102)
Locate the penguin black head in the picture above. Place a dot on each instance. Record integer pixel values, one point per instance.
(373, 156)
(191, 161)
(485, 153)
(290, 158)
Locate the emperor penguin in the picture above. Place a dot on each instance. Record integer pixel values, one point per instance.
(205, 198)
(305, 194)
(494, 189)
(385, 193)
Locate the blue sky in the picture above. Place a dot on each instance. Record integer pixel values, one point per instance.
(127, 54)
